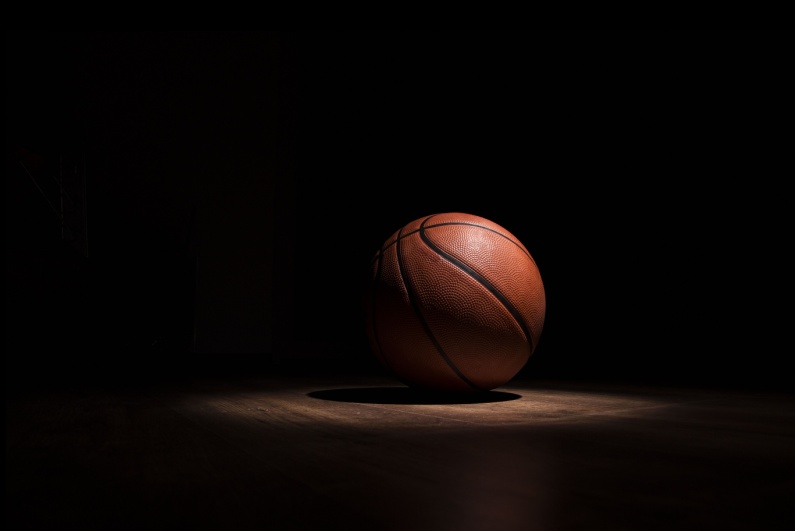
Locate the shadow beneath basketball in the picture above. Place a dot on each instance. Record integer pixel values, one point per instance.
(407, 395)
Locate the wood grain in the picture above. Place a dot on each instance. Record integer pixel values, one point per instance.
(365, 453)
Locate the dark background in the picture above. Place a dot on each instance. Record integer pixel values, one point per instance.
(238, 183)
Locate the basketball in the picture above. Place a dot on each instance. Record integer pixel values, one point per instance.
(454, 302)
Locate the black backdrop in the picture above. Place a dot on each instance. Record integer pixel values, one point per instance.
(238, 184)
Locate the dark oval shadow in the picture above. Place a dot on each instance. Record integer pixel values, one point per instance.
(408, 395)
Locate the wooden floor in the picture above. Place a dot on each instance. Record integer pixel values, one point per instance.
(365, 453)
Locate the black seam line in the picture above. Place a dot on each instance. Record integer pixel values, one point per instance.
(431, 336)
(488, 285)
(373, 308)
(403, 280)
(383, 249)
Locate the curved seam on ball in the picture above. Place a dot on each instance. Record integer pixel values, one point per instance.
(401, 235)
(483, 281)
(424, 323)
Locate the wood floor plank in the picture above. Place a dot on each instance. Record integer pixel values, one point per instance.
(365, 453)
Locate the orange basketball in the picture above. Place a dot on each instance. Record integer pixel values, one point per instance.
(455, 302)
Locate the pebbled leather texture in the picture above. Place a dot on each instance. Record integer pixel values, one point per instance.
(455, 302)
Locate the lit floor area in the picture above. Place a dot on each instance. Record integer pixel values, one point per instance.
(352, 453)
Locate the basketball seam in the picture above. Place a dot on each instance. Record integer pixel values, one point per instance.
(401, 236)
(381, 351)
(425, 325)
(482, 280)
